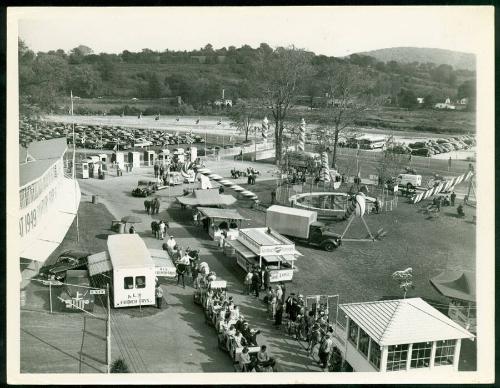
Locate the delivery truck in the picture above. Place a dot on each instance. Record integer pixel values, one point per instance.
(133, 271)
(302, 226)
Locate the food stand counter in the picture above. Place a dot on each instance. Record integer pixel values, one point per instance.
(219, 220)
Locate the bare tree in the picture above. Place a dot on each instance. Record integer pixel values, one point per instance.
(243, 117)
(344, 104)
(282, 72)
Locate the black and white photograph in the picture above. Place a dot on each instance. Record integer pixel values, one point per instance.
(250, 194)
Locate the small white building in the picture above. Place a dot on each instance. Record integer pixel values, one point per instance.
(398, 336)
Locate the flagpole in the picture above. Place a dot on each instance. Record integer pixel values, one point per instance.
(74, 174)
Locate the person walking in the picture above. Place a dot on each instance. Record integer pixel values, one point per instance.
(256, 282)
(273, 197)
(161, 170)
(156, 168)
(283, 288)
(279, 294)
(449, 164)
(161, 230)
(131, 229)
(159, 296)
(248, 282)
(182, 265)
(453, 196)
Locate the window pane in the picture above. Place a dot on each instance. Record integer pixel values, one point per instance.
(364, 340)
(445, 352)
(397, 356)
(353, 332)
(375, 354)
(128, 282)
(421, 354)
(140, 281)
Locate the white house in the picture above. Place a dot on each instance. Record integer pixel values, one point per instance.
(445, 105)
(398, 336)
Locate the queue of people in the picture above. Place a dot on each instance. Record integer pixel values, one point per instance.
(234, 333)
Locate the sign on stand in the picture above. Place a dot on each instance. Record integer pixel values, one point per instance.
(282, 275)
(98, 292)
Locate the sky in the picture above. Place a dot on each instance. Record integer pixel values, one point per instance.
(333, 31)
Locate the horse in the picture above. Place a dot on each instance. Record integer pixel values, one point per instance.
(155, 228)
(155, 206)
(147, 205)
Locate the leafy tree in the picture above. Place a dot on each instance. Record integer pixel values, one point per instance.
(282, 73)
(84, 81)
(407, 98)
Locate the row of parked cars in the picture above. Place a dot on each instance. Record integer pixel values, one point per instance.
(435, 146)
(101, 136)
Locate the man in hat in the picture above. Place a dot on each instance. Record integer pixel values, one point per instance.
(171, 244)
(250, 335)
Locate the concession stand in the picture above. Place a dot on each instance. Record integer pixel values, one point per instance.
(215, 221)
(265, 247)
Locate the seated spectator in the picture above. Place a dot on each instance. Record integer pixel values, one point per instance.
(263, 359)
(239, 340)
(250, 335)
(246, 362)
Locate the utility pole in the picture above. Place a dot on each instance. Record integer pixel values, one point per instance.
(108, 333)
(74, 166)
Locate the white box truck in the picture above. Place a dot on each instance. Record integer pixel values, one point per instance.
(301, 225)
(133, 271)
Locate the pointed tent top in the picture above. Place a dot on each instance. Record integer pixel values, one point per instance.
(456, 284)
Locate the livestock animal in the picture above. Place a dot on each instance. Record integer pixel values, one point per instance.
(155, 206)
(147, 205)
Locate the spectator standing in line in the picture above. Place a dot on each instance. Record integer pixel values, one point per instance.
(256, 281)
(453, 196)
(324, 350)
(248, 282)
(159, 296)
(267, 278)
(279, 314)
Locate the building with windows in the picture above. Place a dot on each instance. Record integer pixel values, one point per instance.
(395, 336)
(48, 200)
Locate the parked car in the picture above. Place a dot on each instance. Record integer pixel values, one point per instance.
(68, 260)
(145, 188)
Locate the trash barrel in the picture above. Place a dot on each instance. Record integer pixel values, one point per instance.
(95, 199)
(121, 228)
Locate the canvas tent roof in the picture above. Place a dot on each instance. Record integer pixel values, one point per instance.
(403, 321)
(231, 214)
(210, 197)
(456, 284)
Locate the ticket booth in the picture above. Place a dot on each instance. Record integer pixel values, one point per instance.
(193, 154)
(84, 170)
(103, 158)
(134, 159)
(119, 159)
(149, 158)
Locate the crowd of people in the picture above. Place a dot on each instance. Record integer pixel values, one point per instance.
(234, 333)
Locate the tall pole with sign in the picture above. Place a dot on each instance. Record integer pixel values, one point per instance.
(74, 174)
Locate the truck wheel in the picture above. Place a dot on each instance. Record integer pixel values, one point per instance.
(329, 246)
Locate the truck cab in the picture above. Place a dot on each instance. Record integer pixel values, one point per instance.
(320, 234)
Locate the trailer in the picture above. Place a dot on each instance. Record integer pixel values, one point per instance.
(301, 225)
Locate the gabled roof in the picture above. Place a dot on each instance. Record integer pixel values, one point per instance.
(403, 321)
(48, 149)
(128, 251)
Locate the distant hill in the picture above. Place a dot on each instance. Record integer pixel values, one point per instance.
(459, 60)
